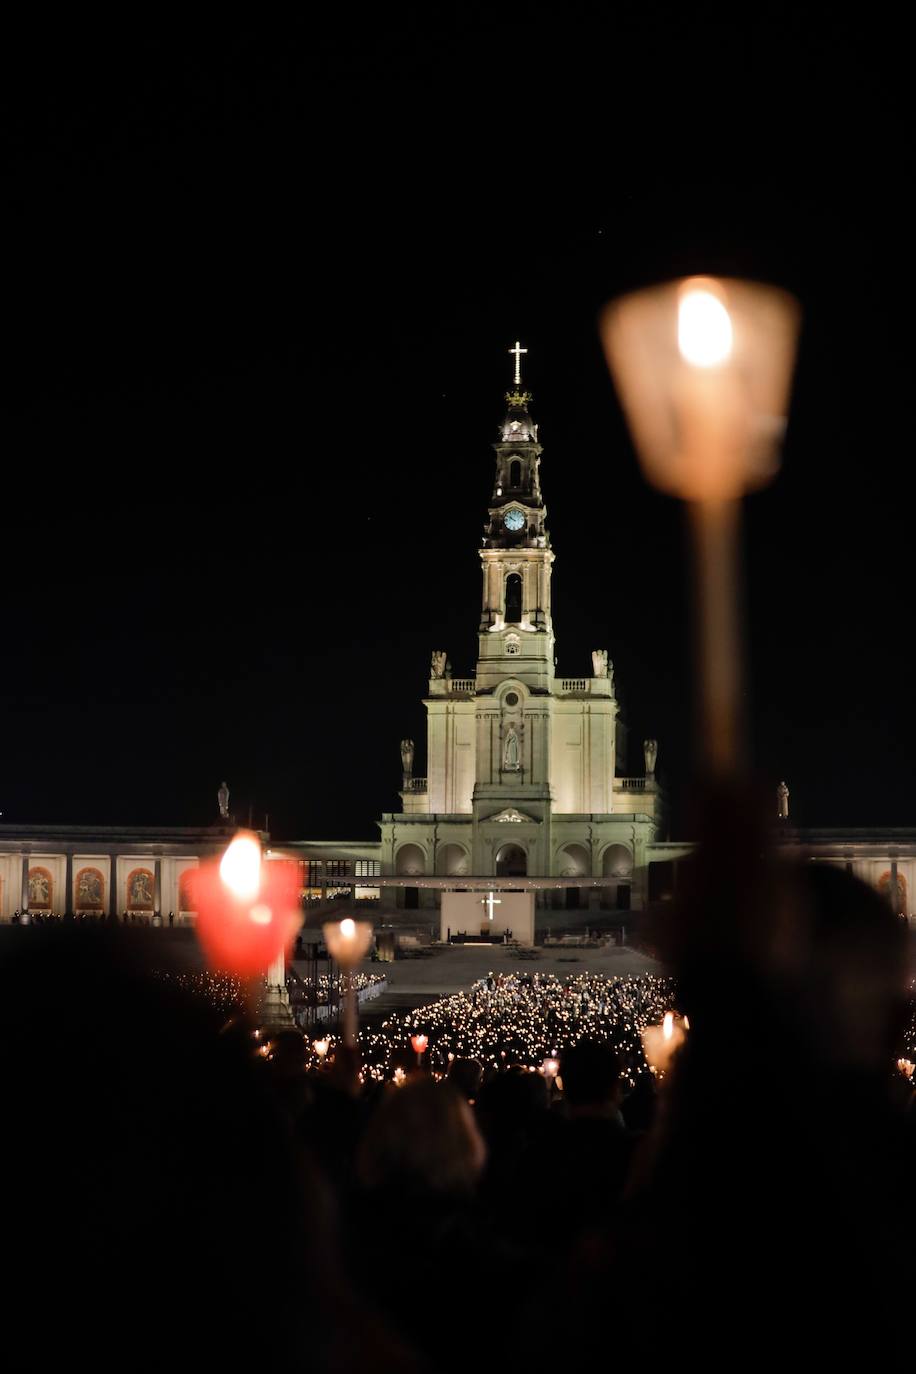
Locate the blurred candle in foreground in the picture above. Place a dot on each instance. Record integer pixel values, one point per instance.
(661, 1043)
(321, 1047)
(247, 910)
(702, 368)
(348, 942)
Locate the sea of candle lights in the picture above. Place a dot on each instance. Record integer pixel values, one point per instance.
(361, 981)
(528, 1019)
(224, 992)
(524, 1019)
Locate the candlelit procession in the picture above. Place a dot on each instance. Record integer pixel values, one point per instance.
(457, 838)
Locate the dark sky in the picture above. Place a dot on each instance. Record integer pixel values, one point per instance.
(259, 288)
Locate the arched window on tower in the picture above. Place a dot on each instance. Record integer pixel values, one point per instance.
(515, 474)
(513, 599)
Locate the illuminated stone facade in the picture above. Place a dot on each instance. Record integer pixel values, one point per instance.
(525, 770)
(99, 871)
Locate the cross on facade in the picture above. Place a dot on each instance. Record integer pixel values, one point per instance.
(490, 902)
(518, 351)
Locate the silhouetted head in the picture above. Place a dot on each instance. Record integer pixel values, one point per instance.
(422, 1139)
(591, 1074)
(465, 1075)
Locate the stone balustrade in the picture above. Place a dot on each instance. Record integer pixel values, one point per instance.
(415, 785)
(630, 784)
(463, 684)
(565, 685)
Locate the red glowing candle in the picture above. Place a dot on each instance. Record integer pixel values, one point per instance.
(247, 909)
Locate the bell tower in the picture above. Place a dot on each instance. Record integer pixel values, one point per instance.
(515, 671)
(516, 631)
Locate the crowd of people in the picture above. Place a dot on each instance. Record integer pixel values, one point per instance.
(94, 918)
(184, 1184)
(524, 1019)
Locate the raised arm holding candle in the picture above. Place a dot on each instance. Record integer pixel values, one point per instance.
(348, 943)
(247, 909)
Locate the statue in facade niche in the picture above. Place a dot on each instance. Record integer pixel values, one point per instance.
(650, 752)
(439, 660)
(407, 757)
(782, 802)
(222, 798)
(599, 662)
(511, 751)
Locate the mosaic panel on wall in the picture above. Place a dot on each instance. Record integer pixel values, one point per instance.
(186, 899)
(41, 889)
(140, 886)
(90, 890)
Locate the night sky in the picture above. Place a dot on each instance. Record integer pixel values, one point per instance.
(259, 291)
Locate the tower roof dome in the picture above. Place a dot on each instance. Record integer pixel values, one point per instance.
(518, 424)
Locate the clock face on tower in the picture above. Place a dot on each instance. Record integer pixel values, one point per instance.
(513, 520)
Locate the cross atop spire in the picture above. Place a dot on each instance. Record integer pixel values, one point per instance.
(518, 351)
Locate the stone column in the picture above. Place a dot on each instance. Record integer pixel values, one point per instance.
(68, 884)
(24, 892)
(894, 891)
(157, 885)
(113, 886)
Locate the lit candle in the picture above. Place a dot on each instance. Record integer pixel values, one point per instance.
(348, 942)
(703, 368)
(661, 1043)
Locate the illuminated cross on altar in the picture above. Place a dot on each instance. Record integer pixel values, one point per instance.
(490, 901)
(518, 351)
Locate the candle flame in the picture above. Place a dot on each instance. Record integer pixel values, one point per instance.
(704, 328)
(240, 868)
(348, 928)
(668, 1025)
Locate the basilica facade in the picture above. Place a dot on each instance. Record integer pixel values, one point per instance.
(525, 769)
(526, 778)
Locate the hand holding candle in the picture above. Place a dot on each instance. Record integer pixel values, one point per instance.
(703, 367)
(661, 1043)
(348, 942)
(419, 1043)
(247, 909)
